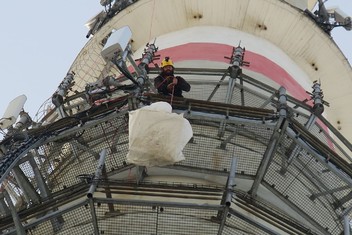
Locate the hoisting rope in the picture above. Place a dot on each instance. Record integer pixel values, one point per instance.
(173, 90)
(151, 21)
(164, 79)
(172, 95)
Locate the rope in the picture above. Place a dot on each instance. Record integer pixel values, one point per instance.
(164, 80)
(172, 95)
(151, 21)
(173, 90)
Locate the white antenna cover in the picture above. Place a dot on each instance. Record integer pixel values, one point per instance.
(13, 110)
(117, 43)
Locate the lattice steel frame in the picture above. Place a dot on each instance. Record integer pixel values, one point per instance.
(316, 181)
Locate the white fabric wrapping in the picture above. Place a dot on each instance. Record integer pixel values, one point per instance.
(157, 136)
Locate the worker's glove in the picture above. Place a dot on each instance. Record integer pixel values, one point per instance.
(174, 81)
(169, 79)
(171, 86)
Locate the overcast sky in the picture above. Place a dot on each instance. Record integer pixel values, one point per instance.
(40, 40)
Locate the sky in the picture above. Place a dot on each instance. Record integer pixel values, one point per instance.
(41, 39)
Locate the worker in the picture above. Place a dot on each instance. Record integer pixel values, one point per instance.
(168, 84)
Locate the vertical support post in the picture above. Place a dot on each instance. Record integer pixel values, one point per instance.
(16, 219)
(235, 71)
(97, 174)
(318, 107)
(92, 188)
(282, 102)
(310, 121)
(140, 174)
(61, 112)
(45, 192)
(232, 84)
(74, 151)
(228, 196)
(41, 162)
(147, 57)
(346, 225)
(94, 216)
(317, 110)
(317, 97)
(231, 181)
(273, 142)
(4, 210)
(43, 187)
(28, 190)
(132, 103)
(58, 96)
(107, 191)
(242, 92)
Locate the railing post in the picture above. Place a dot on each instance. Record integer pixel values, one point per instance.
(16, 219)
(92, 188)
(229, 193)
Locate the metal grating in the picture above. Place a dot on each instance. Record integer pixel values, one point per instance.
(303, 177)
(295, 175)
(238, 226)
(154, 219)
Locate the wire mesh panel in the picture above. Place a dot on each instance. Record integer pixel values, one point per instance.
(155, 220)
(74, 220)
(250, 144)
(186, 221)
(293, 175)
(307, 183)
(237, 226)
(322, 132)
(203, 92)
(204, 150)
(115, 218)
(126, 219)
(246, 142)
(78, 154)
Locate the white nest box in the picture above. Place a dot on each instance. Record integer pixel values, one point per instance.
(117, 43)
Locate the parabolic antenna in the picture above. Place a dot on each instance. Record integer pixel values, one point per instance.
(13, 110)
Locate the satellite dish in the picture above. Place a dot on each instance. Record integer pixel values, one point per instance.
(13, 110)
